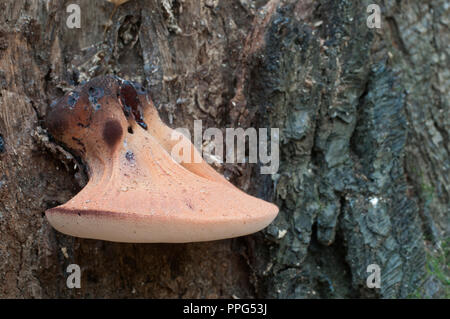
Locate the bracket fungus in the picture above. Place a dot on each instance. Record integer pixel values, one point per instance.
(136, 191)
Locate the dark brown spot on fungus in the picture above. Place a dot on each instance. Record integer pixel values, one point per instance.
(131, 104)
(112, 132)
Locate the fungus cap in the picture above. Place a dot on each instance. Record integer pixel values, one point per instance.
(136, 191)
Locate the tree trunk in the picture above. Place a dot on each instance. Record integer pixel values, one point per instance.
(364, 143)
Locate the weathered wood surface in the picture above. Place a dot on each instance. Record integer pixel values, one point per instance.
(363, 118)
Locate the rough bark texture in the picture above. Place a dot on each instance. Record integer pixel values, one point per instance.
(364, 143)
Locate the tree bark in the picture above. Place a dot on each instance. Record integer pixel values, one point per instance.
(364, 143)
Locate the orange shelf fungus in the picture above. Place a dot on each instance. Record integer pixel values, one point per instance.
(136, 191)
